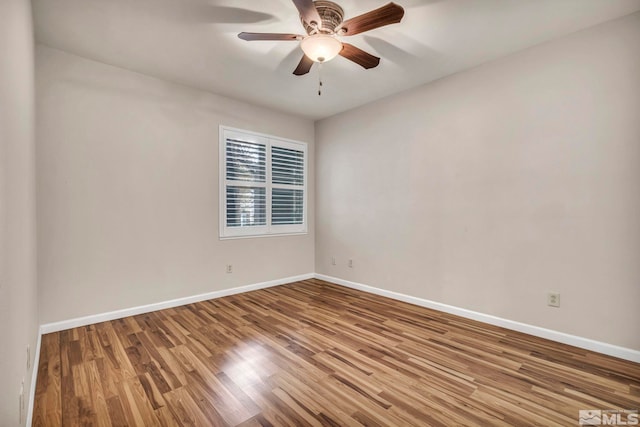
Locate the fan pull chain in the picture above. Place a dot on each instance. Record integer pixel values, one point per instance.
(320, 79)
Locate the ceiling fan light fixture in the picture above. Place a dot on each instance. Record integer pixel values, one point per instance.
(321, 47)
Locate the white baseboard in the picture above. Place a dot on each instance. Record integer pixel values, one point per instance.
(576, 341)
(34, 379)
(133, 311)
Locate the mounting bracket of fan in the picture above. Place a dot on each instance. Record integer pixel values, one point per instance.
(331, 15)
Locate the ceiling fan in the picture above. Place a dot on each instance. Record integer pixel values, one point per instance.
(324, 23)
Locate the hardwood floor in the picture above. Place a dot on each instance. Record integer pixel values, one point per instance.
(313, 353)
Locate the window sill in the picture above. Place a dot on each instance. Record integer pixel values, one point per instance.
(259, 236)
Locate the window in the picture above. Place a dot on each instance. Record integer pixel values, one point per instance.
(263, 185)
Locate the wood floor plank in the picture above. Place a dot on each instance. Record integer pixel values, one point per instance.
(48, 400)
(312, 353)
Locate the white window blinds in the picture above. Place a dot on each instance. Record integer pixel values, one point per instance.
(263, 185)
(287, 178)
(246, 174)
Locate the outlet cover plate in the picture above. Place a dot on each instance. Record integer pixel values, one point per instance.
(553, 299)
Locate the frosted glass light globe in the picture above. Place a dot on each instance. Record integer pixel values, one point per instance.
(321, 47)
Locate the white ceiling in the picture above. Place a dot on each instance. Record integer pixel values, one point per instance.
(194, 42)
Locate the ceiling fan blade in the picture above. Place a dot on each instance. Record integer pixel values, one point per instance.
(388, 14)
(304, 66)
(308, 11)
(359, 56)
(268, 36)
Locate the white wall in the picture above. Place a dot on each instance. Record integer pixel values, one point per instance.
(486, 189)
(128, 190)
(18, 300)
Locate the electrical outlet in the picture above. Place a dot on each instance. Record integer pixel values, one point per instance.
(553, 299)
(28, 357)
(350, 263)
(229, 268)
(333, 260)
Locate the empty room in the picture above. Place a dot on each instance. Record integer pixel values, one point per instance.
(319, 213)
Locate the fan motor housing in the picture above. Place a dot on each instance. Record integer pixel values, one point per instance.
(331, 15)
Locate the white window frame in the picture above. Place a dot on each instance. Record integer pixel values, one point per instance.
(269, 141)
